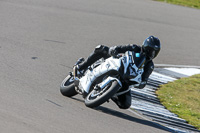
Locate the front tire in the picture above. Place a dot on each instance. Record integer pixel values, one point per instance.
(95, 99)
(67, 87)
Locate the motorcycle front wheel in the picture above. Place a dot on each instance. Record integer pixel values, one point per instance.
(67, 87)
(96, 98)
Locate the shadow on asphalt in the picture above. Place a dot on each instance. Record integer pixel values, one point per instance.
(128, 117)
(125, 116)
(77, 99)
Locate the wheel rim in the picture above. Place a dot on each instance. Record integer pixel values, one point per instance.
(97, 93)
(69, 81)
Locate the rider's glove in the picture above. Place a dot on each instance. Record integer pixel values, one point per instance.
(113, 52)
(141, 85)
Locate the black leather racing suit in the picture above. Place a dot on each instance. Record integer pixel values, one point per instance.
(101, 51)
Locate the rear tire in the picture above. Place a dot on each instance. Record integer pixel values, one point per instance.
(94, 100)
(67, 87)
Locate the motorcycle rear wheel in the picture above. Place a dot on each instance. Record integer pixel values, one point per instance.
(95, 99)
(67, 87)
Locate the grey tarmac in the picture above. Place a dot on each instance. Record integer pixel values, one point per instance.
(40, 40)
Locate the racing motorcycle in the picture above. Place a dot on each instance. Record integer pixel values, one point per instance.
(105, 79)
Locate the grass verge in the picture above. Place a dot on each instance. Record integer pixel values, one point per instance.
(188, 3)
(182, 97)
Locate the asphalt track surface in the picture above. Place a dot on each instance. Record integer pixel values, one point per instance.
(41, 39)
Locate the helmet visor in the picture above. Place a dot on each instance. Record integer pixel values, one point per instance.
(151, 53)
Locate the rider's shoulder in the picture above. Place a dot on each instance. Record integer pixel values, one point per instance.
(135, 47)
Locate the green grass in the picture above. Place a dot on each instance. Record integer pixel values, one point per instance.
(188, 3)
(182, 97)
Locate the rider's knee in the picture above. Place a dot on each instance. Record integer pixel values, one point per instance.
(124, 101)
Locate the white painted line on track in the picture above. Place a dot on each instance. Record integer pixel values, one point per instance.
(160, 77)
(185, 71)
(176, 66)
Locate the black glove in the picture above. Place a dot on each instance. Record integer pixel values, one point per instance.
(141, 85)
(113, 52)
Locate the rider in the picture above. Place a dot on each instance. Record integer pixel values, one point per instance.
(150, 47)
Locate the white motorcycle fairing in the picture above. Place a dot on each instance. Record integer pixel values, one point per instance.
(109, 64)
(134, 70)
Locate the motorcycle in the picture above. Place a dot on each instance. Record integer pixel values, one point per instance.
(105, 79)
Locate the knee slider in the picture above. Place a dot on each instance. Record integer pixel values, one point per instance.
(101, 49)
(98, 48)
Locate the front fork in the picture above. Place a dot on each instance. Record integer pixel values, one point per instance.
(76, 83)
(76, 75)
